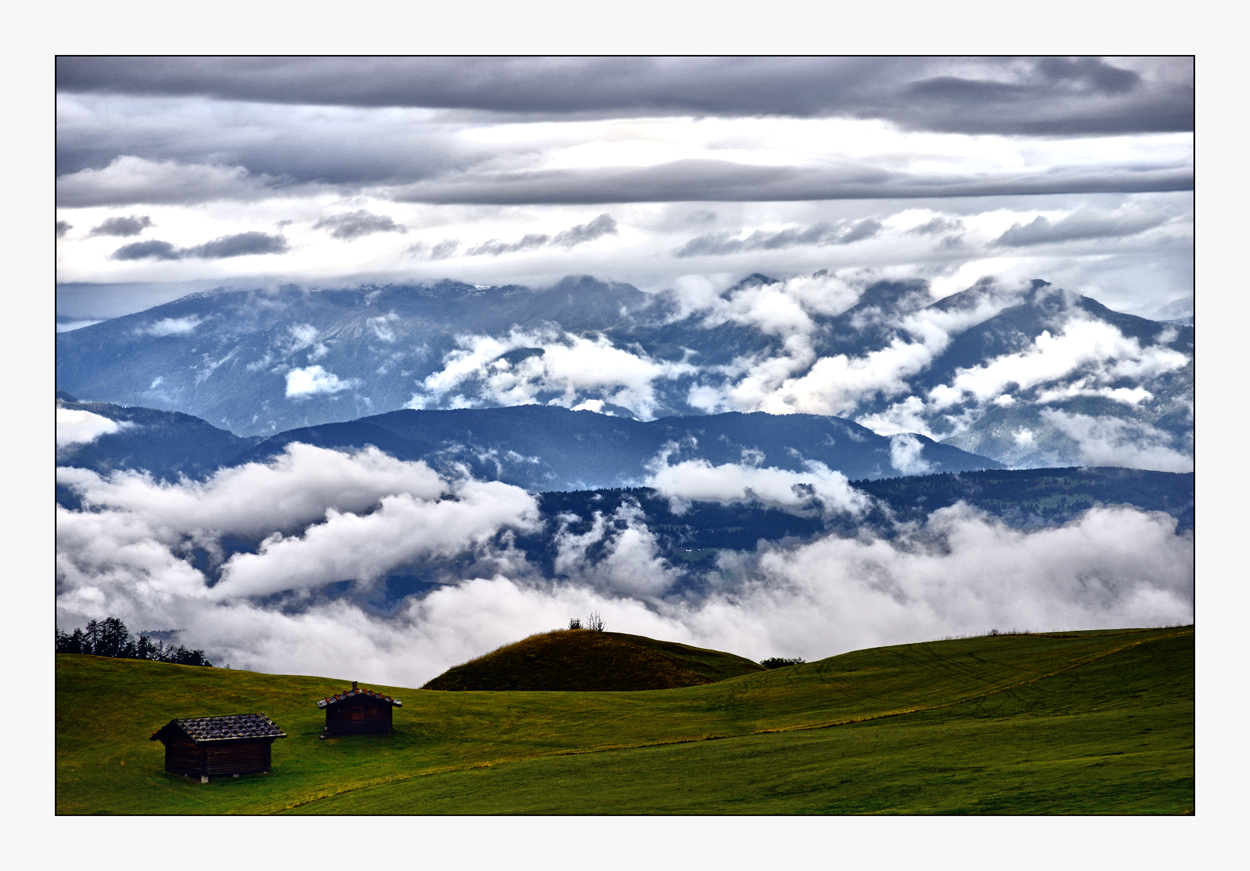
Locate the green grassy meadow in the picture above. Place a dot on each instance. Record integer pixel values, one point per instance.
(1062, 723)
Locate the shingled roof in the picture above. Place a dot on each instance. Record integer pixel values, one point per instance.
(227, 728)
(357, 691)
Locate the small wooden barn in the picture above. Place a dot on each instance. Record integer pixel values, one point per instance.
(207, 747)
(358, 711)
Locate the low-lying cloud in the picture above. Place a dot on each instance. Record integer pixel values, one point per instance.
(77, 426)
(817, 488)
(171, 326)
(1106, 441)
(313, 381)
(156, 555)
(561, 368)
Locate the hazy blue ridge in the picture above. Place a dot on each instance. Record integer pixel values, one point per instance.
(166, 444)
(551, 448)
(234, 358)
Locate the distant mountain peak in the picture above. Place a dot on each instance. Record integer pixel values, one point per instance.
(755, 279)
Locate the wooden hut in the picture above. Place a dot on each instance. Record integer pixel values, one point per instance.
(358, 711)
(216, 746)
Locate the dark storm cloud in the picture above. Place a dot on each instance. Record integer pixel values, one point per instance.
(238, 245)
(131, 226)
(603, 225)
(821, 233)
(1077, 226)
(697, 180)
(353, 225)
(63, 227)
(975, 95)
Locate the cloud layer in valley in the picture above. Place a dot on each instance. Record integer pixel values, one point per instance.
(326, 528)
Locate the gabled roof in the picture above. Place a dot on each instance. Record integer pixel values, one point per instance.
(228, 728)
(357, 691)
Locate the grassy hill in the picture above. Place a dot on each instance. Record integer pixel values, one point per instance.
(584, 661)
(1081, 722)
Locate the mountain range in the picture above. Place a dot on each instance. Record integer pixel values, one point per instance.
(1026, 376)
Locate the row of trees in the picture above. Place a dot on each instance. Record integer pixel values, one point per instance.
(110, 637)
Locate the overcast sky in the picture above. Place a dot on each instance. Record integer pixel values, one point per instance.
(185, 173)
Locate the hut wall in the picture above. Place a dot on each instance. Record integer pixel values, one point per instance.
(182, 756)
(237, 757)
(359, 716)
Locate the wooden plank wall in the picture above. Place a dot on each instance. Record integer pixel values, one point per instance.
(361, 716)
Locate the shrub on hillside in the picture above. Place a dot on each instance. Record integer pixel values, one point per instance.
(781, 662)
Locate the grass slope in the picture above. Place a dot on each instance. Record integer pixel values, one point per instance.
(584, 661)
(1089, 722)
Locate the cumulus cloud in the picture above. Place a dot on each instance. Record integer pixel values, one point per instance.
(171, 326)
(960, 573)
(129, 226)
(353, 225)
(817, 487)
(785, 309)
(629, 563)
(255, 499)
(314, 380)
(404, 529)
(839, 383)
(76, 427)
(1077, 343)
(1105, 441)
(905, 454)
(563, 368)
(354, 517)
(319, 515)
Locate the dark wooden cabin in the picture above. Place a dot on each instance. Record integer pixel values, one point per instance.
(358, 711)
(207, 747)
